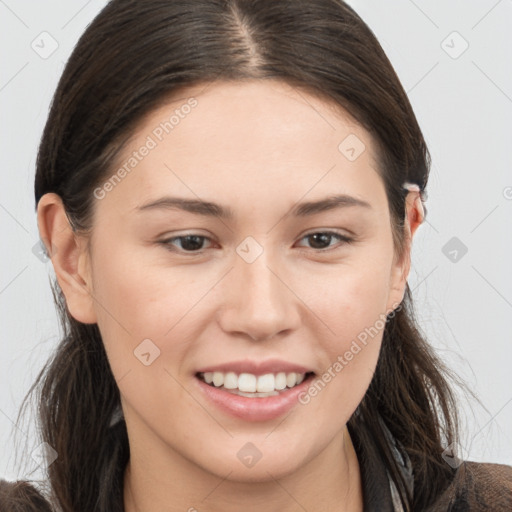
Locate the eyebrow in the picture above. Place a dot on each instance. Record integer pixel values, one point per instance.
(209, 208)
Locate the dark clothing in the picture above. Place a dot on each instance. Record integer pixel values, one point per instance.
(475, 487)
(478, 486)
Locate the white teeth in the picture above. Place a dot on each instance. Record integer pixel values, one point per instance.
(291, 379)
(230, 380)
(247, 383)
(218, 379)
(280, 381)
(266, 383)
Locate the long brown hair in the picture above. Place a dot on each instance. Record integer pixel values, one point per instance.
(131, 58)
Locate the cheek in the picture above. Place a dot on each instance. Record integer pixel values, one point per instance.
(350, 359)
(352, 303)
(145, 315)
(349, 297)
(137, 300)
(133, 286)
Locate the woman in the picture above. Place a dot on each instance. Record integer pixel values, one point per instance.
(228, 191)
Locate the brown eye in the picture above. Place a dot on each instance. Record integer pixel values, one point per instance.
(187, 243)
(322, 240)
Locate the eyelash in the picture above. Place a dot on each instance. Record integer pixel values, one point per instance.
(343, 238)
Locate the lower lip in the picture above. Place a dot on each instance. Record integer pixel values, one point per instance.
(257, 408)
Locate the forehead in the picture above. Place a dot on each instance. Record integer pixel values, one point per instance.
(244, 140)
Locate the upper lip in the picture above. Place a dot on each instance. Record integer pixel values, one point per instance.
(256, 367)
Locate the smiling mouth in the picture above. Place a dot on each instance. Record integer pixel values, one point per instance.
(253, 386)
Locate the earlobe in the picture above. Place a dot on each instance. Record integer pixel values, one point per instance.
(69, 257)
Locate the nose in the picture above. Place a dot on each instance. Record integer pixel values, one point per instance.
(258, 301)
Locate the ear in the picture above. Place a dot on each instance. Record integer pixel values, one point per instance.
(69, 256)
(414, 216)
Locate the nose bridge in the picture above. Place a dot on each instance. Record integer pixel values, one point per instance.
(258, 302)
(260, 282)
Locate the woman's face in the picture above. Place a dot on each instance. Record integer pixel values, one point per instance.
(263, 281)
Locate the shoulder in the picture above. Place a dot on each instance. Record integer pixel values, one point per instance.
(477, 487)
(21, 496)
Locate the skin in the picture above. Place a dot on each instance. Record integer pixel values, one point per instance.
(258, 148)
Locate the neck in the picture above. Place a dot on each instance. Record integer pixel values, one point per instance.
(330, 482)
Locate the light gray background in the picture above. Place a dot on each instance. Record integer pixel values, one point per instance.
(464, 107)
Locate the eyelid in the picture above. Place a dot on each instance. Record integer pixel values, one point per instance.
(329, 231)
